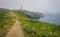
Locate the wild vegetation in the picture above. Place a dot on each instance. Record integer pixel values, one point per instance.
(5, 22)
(31, 28)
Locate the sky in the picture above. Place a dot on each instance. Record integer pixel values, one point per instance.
(32, 5)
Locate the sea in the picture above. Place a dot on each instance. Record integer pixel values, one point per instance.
(53, 18)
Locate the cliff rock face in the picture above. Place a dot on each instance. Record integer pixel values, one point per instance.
(33, 15)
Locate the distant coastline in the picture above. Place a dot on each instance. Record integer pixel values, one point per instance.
(51, 18)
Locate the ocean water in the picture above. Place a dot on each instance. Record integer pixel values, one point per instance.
(53, 18)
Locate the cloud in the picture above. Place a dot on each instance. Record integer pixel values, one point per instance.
(35, 4)
(32, 5)
(42, 5)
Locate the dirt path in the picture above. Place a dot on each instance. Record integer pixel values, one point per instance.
(16, 30)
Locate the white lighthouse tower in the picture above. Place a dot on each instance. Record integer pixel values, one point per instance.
(21, 6)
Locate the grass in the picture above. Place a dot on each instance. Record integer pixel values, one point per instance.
(33, 28)
(5, 22)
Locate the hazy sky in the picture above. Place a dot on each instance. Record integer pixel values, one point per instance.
(33, 5)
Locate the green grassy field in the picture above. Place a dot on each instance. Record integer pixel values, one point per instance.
(31, 28)
(5, 22)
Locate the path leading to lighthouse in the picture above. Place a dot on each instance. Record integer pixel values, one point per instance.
(16, 30)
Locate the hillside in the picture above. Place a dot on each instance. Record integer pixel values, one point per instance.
(31, 28)
(5, 22)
